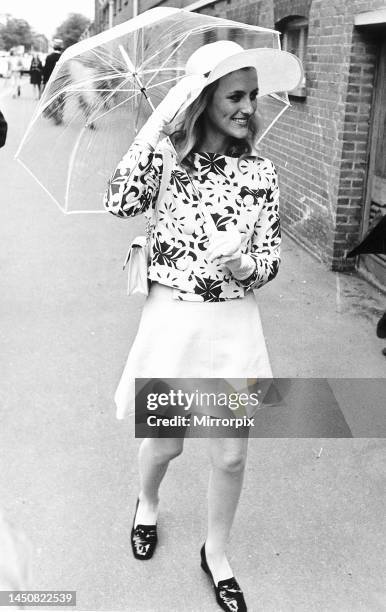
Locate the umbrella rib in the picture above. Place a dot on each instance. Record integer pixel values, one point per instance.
(167, 59)
(108, 63)
(103, 90)
(113, 92)
(174, 69)
(86, 212)
(277, 97)
(37, 116)
(79, 84)
(162, 83)
(104, 101)
(40, 183)
(84, 89)
(287, 105)
(160, 49)
(111, 109)
(131, 67)
(69, 177)
(71, 164)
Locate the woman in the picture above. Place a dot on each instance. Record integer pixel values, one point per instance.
(201, 318)
(15, 69)
(36, 74)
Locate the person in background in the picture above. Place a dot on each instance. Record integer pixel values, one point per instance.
(15, 68)
(3, 130)
(51, 60)
(374, 242)
(381, 330)
(15, 558)
(55, 109)
(36, 74)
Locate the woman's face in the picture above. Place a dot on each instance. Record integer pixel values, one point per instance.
(233, 103)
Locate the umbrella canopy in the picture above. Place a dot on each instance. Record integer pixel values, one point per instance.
(103, 89)
(374, 240)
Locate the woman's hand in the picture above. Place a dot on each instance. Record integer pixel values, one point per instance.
(177, 98)
(183, 93)
(224, 247)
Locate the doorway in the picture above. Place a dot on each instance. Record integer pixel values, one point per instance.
(376, 183)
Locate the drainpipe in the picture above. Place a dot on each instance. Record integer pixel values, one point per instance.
(111, 13)
(135, 8)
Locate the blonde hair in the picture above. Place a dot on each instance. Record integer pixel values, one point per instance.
(189, 133)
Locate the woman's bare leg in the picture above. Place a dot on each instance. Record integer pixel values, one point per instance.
(228, 457)
(154, 457)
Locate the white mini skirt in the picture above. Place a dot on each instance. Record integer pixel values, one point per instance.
(181, 339)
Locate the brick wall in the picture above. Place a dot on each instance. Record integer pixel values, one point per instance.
(290, 7)
(123, 11)
(340, 68)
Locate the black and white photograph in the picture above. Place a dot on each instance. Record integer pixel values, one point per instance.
(193, 311)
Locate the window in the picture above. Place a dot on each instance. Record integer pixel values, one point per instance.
(294, 31)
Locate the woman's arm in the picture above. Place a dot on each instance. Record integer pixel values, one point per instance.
(266, 240)
(134, 185)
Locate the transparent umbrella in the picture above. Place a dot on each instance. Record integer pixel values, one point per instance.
(104, 88)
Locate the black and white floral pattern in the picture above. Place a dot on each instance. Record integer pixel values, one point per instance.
(244, 194)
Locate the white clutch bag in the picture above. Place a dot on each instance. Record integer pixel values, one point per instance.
(137, 266)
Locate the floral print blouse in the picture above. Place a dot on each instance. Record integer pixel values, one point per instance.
(244, 194)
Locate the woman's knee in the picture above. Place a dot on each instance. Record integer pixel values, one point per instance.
(230, 459)
(166, 449)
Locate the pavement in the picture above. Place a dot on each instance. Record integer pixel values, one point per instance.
(310, 528)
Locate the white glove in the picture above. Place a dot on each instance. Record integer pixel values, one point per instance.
(178, 97)
(225, 248)
(183, 93)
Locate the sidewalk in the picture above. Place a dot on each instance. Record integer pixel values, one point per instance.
(321, 323)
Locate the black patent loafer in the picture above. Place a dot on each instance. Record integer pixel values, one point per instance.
(143, 539)
(229, 595)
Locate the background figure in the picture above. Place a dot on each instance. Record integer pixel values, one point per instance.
(381, 329)
(87, 100)
(36, 74)
(3, 129)
(15, 555)
(374, 241)
(55, 109)
(15, 68)
(51, 60)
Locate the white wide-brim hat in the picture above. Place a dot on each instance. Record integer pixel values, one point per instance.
(277, 71)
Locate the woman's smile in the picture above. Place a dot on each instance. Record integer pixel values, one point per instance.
(241, 121)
